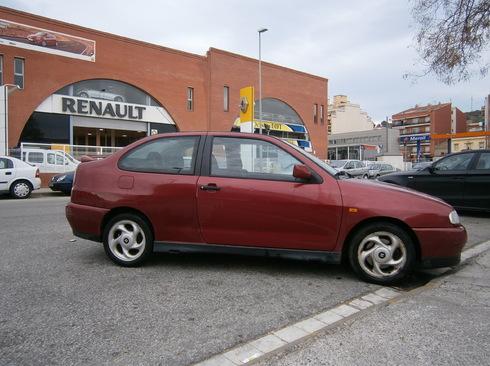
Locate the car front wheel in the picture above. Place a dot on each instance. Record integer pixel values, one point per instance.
(21, 189)
(382, 253)
(128, 240)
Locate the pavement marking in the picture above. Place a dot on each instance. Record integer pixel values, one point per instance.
(475, 250)
(277, 340)
(249, 352)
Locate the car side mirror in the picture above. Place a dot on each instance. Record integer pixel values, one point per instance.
(301, 171)
(431, 169)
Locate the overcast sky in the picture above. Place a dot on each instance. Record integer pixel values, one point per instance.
(362, 47)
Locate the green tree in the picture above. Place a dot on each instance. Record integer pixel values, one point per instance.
(453, 37)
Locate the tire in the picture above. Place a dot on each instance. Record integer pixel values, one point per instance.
(365, 176)
(377, 177)
(43, 43)
(120, 243)
(371, 261)
(21, 189)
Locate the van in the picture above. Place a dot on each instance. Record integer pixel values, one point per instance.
(50, 161)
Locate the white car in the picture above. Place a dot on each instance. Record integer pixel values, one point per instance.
(101, 94)
(18, 177)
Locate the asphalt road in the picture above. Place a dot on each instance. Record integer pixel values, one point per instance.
(64, 303)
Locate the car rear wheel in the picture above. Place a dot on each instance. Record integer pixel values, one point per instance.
(382, 253)
(365, 176)
(128, 240)
(21, 189)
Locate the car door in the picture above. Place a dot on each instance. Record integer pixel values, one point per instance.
(445, 178)
(349, 167)
(162, 176)
(7, 173)
(477, 192)
(248, 196)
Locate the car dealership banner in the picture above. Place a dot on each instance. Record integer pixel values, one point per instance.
(96, 108)
(44, 40)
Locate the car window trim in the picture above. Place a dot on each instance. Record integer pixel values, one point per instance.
(206, 164)
(470, 166)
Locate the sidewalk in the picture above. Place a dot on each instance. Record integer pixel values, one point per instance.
(445, 322)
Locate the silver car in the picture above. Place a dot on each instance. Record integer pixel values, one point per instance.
(101, 94)
(377, 170)
(355, 168)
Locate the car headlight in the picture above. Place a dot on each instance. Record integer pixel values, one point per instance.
(454, 218)
(61, 178)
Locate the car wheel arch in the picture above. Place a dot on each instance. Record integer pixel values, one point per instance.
(125, 210)
(379, 220)
(18, 180)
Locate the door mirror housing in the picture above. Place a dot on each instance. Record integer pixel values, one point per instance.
(431, 169)
(301, 171)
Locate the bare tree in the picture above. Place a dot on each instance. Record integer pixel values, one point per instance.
(453, 37)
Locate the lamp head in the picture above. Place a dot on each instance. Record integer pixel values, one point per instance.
(262, 30)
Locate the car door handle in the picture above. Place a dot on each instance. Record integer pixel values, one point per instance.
(8, 173)
(210, 187)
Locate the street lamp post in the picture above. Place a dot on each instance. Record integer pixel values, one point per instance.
(262, 30)
(6, 93)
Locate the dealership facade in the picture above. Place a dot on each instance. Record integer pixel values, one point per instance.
(80, 86)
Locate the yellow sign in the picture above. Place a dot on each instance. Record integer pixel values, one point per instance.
(247, 104)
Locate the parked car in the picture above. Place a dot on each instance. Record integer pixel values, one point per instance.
(17, 177)
(50, 161)
(62, 183)
(288, 203)
(377, 170)
(43, 39)
(101, 94)
(461, 179)
(355, 168)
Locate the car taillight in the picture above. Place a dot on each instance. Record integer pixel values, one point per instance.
(37, 173)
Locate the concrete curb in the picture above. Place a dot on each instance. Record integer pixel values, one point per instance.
(281, 339)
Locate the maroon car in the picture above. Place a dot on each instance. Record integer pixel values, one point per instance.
(43, 39)
(256, 195)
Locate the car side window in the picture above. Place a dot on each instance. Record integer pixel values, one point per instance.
(35, 157)
(249, 158)
(51, 158)
(349, 165)
(169, 155)
(454, 162)
(5, 164)
(483, 162)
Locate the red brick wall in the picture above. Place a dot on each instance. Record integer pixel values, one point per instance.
(161, 72)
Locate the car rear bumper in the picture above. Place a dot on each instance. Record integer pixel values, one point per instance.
(86, 221)
(441, 247)
(36, 183)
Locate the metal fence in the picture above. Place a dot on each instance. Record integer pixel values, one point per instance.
(76, 151)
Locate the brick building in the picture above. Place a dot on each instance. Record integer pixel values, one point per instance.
(418, 126)
(86, 87)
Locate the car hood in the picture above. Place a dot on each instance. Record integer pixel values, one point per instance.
(375, 190)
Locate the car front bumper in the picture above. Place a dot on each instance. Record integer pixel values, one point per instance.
(441, 247)
(86, 221)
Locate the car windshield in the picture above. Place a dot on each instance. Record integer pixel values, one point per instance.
(317, 161)
(338, 163)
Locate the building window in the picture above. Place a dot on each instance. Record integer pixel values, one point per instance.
(1, 69)
(226, 98)
(321, 115)
(190, 99)
(19, 72)
(315, 113)
(482, 144)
